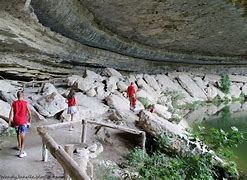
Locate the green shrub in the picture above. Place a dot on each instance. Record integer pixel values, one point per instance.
(225, 83)
(144, 101)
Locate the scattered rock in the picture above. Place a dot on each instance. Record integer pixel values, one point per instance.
(118, 102)
(244, 89)
(91, 93)
(3, 126)
(111, 84)
(48, 88)
(6, 86)
(235, 90)
(193, 89)
(111, 72)
(162, 111)
(141, 93)
(235, 107)
(156, 125)
(4, 110)
(51, 104)
(212, 78)
(122, 86)
(73, 79)
(211, 92)
(152, 83)
(238, 78)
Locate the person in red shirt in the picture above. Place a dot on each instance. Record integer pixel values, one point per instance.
(132, 95)
(71, 106)
(18, 116)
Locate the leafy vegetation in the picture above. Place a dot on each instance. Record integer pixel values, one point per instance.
(219, 140)
(225, 83)
(144, 101)
(160, 163)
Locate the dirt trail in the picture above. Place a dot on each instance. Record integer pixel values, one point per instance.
(31, 167)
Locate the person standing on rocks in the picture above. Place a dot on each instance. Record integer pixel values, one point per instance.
(71, 106)
(19, 114)
(132, 96)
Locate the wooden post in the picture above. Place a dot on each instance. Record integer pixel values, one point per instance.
(143, 141)
(84, 132)
(44, 152)
(69, 148)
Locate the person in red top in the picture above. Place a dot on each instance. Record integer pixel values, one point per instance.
(71, 106)
(132, 95)
(18, 115)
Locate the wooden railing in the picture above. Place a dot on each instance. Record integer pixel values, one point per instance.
(71, 168)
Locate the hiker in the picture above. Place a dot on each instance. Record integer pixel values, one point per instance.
(18, 117)
(132, 96)
(71, 107)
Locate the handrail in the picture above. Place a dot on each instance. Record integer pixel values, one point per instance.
(61, 156)
(67, 162)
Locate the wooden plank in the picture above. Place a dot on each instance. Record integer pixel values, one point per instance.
(62, 157)
(69, 148)
(113, 126)
(60, 125)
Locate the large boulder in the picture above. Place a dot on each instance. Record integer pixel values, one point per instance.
(91, 80)
(168, 85)
(73, 79)
(3, 126)
(151, 81)
(235, 90)
(48, 88)
(212, 78)
(238, 78)
(141, 93)
(118, 102)
(143, 85)
(111, 72)
(211, 92)
(7, 86)
(155, 125)
(100, 91)
(111, 84)
(35, 114)
(4, 110)
(244, 89)
(88, 107)
(122, 86)
(50, 104)
(7, 96)
(191, 87)
(162, 111)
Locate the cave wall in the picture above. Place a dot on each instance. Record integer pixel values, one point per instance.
(200, 32)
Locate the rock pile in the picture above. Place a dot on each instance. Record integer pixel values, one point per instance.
(104, 95)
